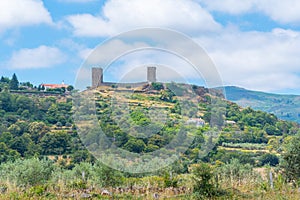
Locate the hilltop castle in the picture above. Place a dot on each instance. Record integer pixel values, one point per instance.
(97, 77)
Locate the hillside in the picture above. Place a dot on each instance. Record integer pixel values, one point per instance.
(243, 132)
(39, 133)
(158, 111)
(286, 107)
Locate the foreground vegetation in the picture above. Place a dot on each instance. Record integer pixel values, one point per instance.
(41, 179)
(256, 155)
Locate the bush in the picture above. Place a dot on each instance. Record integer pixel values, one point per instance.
(27, 172)
(269, 159)
(170, 180)
(203, 181)
(291, 159)
(107, 177)
(235, 172)
(157, 86)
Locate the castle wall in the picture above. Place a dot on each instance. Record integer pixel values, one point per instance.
(97, 78)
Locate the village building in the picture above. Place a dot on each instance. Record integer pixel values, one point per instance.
(54, 86)
(198, 122)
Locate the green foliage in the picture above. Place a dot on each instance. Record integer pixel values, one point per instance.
(203, 181)
(70, 88)
(28, 128)
(37, 130)
(139, 117)
(14, 83)
(135, 145)
(170, 180)
(38, 190)
(272, 130)
(291, 159)
(106, 176)
(249, 135)
(283, 106)
(4, 79)
(269, 159)
(234, 172)
(157, 86)
(167, 95)
(27, 172)
(7, 154)
(56, 143)
(82, 156)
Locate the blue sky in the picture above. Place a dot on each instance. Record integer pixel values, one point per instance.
(254, 44)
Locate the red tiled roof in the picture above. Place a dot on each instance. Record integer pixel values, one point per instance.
(55, 85)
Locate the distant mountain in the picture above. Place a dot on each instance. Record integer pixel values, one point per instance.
(286, 107)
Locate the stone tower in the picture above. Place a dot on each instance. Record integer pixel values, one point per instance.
(97, 76)
(151, 74)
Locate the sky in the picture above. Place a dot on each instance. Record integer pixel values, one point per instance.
(253, 44)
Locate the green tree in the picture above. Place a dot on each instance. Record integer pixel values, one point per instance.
(157, 86)
(82, 156)
(7, 154)
(167, 95)
(291, 159)
(6, 138)
(6, 102)
(55, 143)
(135, 145)
(106, 176)
(203, 181)
(70, 88)
(14, 83)
(37, 130)
(21, 144)
(25, 103)
(4, 80)
(15, 130)
(27, 172)
(269, 159)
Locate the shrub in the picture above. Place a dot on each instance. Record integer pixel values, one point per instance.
(203, 181)
(269, 159)
(291, 159)
(107, 177)
(170, 180)
(157, 86)
(27, 172)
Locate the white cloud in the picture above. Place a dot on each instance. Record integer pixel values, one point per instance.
(286, 11)
(15, 13)
(119, 15)
(228, 6)
(41, 57)
(84, 53)
(267, 61)
(263, 61)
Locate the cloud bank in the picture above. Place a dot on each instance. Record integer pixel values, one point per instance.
(40, 57)
(16, 13)
(285, 12)
(119, 15)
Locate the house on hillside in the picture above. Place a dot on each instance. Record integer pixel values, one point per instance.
(53, 86)
(198, 122)
(229, 122)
